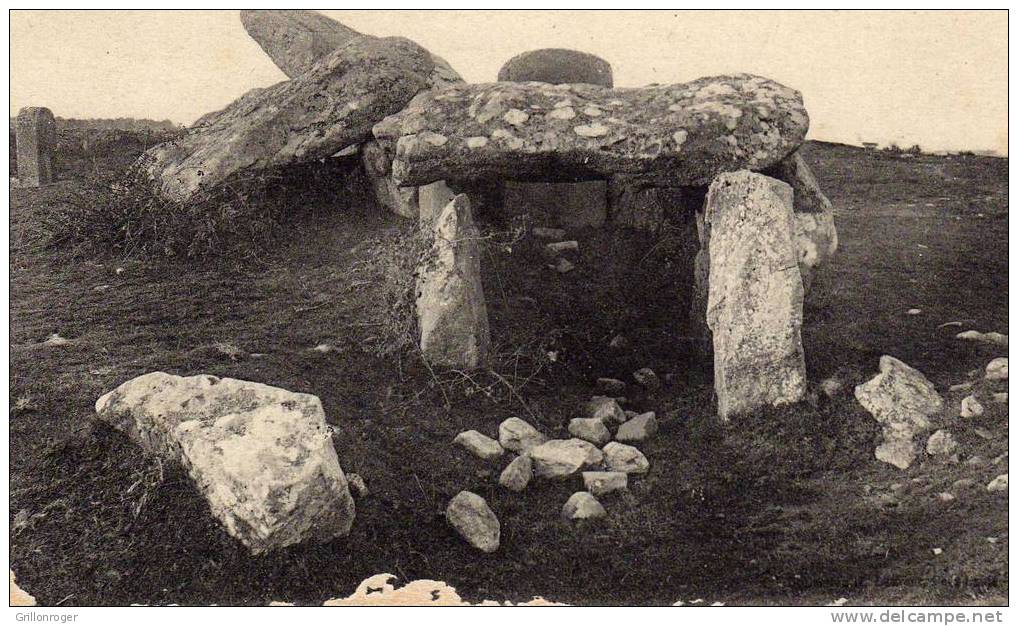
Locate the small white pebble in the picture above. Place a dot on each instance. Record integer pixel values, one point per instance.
(937, 551)
(914, 311)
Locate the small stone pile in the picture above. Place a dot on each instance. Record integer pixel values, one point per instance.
(603, 464)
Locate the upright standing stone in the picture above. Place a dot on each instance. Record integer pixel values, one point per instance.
(399, 200)
(569, 205)
(816, 238)
(36, 138)
(451, 312)
(754, 293)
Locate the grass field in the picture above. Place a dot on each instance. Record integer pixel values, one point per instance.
(786, 506)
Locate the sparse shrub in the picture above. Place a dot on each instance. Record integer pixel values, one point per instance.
(389, 269)
(120, 214)
(893, 148)
(915, 149)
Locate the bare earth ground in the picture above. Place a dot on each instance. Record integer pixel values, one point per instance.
(782, 507)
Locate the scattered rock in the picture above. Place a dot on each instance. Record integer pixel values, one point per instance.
(975, 461)
(55, 341)
(557, 248)
(901, 399)
(611, 385)
(638, 429)
(1000, 459)
(357, 484)
(941, 443)
(962, 484)
(970, 407)
(590, 429)
(261, 456)
(747, 240)
(945, 496)
(997, 369)
(982, 432)
(1000, 398)
(647, 378)
(913, 312)
(516, 476)
(998, 484)
(470, 515)
(606, 409)
(451, 309)
(831, 386)
(601, 483)
(559, 458)
(562, 265)
(518, 436)
(937, 551)
(479, 445)
(324, 348)
(619, 457)
(582, 505)
(618, 342)
(960, 387)
(991, 338)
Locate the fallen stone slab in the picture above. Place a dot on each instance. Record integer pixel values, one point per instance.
(451, 311)
(902, 400)
(330, 107)
(941, 443)
(992, 337)
(754, 293)
(473, 519)
(682, 134)
(998, 484)
(261, 456)
(582, 505)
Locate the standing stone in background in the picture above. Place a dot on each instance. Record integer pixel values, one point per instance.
(36, 138)
(569, 205)
(451, 311)
(754, 293)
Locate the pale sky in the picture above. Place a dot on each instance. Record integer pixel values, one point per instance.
(938, 79)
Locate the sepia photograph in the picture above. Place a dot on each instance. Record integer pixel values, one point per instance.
(697, 309)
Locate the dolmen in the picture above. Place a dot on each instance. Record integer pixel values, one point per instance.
(555, 137)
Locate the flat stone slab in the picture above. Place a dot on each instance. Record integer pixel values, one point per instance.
(328, 108)
(681, 134)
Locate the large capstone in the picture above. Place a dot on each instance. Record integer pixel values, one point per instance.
(902, 401)
(261, 456)
(324, 110)
(679, 135)
(36, 137)
(451, 312)
(754, 293)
